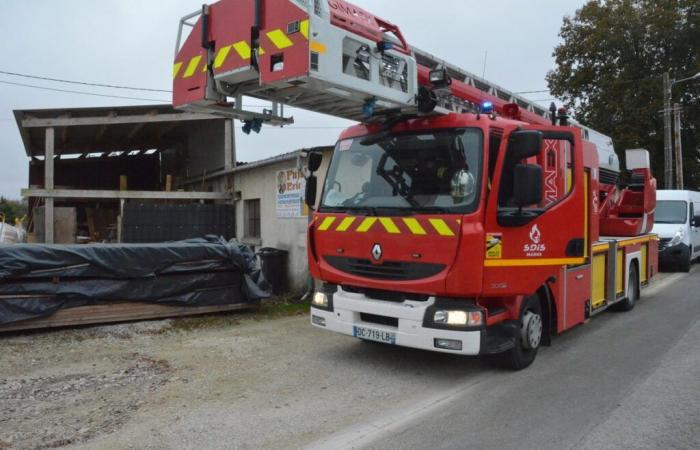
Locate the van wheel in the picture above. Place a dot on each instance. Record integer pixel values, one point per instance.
(633, 293)
(528, 337)
(684, 266)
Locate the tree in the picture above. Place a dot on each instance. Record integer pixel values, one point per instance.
(11, 210)
(609, 70)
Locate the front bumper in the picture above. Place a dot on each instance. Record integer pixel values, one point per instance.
(674, 255)
(348, 308)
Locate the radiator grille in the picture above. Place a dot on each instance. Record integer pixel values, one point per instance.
(389, 270)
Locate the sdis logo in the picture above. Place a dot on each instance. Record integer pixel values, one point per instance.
(536, 248)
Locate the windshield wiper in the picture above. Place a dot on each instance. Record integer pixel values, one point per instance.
(432, 209)
(369, 210)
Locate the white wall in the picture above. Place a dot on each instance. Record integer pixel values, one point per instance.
(283, 233)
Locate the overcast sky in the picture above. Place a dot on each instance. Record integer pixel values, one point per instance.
(131, 42)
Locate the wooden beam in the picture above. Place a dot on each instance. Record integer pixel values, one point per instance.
(103, 128)
(116, 195)
(119, 312)
(168, 183)
(49, 185)
(229, 145)
(120, 120)
(139, 126)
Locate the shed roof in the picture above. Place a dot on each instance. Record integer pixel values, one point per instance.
(107, 129)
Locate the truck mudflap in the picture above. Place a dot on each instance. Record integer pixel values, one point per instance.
(404, 324)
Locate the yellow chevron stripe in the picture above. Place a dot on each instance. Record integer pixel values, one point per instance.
(414, 226)
(389, 225)
(192, 66)
(176, 69)
(221, 56)
(280, 39)
(304, 28)
(366, 224)
(326, 224)
(532, 262)
(441, 227)
(345, 224)
(243, 49)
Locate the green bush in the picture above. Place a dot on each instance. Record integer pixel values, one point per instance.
(11, 210)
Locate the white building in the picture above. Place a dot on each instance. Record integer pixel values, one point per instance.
(270, 209)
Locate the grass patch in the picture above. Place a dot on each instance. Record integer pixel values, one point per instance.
(274, 308)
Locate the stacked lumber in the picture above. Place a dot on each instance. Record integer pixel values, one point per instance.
(43, 286)
(119, 312)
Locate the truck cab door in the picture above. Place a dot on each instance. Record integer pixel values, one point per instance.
(537, 220)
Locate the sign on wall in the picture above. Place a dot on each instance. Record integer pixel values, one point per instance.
(291, 185)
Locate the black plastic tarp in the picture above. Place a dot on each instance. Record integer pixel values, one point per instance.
(38, 280)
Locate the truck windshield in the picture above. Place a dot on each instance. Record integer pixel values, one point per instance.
(671, 211)
(436, 171)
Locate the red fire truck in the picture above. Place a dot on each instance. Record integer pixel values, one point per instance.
(457, 217)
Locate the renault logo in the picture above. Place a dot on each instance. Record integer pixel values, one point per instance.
(377, 252)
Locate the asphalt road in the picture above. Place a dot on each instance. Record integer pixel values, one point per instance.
(623, 380)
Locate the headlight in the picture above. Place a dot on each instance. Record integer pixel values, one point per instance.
(320, 299)
(677, 238)
(458, 318)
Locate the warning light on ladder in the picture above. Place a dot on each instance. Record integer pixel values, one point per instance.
(486, 108)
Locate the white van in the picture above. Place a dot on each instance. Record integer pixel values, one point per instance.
(677, 222)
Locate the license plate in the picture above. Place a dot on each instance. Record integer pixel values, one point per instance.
(387, 337)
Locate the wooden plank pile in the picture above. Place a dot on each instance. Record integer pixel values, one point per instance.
(44, 286)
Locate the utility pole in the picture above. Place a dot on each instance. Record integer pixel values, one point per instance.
(668, 151)
(677, 142)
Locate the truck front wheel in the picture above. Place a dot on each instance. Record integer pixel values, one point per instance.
(527, 337)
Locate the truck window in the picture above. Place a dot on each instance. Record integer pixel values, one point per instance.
(556, 160)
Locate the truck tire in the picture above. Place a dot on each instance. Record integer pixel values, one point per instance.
(528, 337)
(627, 304)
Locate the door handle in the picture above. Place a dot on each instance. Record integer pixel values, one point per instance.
(579, 277)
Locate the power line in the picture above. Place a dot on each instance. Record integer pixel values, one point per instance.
(532, 92)
(85, 93)
(84, 83)
(109, 96)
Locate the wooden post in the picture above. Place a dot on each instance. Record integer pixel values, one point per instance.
(678, 145)
(123, 183)
(49, 185)
(168, 183)
(229, 145)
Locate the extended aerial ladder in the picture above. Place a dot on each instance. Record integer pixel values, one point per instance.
(332, 57)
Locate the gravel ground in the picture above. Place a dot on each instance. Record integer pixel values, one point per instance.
(250, 381)
(237, 381)
(52, 395)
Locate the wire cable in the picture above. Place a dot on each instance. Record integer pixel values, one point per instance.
(85, 93)
(84, 83)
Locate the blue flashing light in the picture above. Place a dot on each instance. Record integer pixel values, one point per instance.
(486, 107)
(384, 46)
(368, 107)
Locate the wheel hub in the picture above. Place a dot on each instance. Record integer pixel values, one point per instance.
(531, 330)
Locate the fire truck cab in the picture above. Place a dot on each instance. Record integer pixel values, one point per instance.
(470, 234)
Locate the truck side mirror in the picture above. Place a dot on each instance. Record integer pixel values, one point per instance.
(310, 193)
(696, 221)
(314, 162)
(527, 184)
(524, 144)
